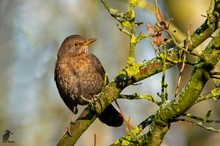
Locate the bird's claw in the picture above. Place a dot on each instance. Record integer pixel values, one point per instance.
(87, 100)
(68, 131)
(90, 101)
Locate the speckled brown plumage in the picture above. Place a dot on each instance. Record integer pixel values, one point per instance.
(80, 74)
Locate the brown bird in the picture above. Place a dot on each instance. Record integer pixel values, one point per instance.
(79, 75)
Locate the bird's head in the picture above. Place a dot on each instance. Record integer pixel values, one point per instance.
(8, 131)
(74, 45)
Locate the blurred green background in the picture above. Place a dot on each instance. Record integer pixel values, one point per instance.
(30, 35)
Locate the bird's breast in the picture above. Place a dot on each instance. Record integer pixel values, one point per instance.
(78, 76)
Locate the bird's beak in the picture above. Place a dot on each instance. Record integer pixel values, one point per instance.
(89, 41)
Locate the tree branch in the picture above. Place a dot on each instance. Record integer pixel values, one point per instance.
(188, 96)
(213, 94)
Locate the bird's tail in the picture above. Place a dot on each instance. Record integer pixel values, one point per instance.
(111, 117)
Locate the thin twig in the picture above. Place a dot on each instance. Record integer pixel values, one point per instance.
(184, 59)
(214, 94)
(200, 124)
(94, 139)
(121, 112)
(143, 96)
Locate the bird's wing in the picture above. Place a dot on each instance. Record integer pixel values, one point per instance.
(100, 68)
(62, 83)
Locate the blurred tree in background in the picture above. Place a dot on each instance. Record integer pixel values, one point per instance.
(30, 35)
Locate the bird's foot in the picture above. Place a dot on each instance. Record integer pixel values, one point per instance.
(87, 100)
(90, 101)
(68, 131)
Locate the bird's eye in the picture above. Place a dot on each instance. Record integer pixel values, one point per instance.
(77, 44)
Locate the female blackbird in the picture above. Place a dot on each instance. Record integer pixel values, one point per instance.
(79, 74)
